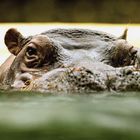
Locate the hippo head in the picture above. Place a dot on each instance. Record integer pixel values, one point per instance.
(34, 56)
(42, 63)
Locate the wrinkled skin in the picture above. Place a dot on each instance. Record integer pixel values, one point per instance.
(82, 79)
(70, 60)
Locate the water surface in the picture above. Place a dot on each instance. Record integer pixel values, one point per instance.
(25, 115)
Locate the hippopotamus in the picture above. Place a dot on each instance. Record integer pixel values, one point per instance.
(70, 60)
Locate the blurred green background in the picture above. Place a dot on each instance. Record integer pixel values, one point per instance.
(100, 11)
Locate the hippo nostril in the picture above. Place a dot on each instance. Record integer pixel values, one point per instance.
(25, 80)
(22, 80)
(27, 83)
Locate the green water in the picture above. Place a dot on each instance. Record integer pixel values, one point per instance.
(69, 117)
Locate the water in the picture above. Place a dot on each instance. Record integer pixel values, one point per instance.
(25, 115)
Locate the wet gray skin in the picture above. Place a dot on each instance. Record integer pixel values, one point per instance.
(70, 60)
(79, 79)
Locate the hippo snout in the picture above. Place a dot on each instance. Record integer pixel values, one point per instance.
(22, 81)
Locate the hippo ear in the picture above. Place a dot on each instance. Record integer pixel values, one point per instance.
(13, 40)
(124, 35)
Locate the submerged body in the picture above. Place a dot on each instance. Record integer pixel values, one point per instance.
(71, 60)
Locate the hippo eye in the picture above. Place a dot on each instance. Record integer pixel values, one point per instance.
(31, 51)
(32, 58)
(125, 60)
